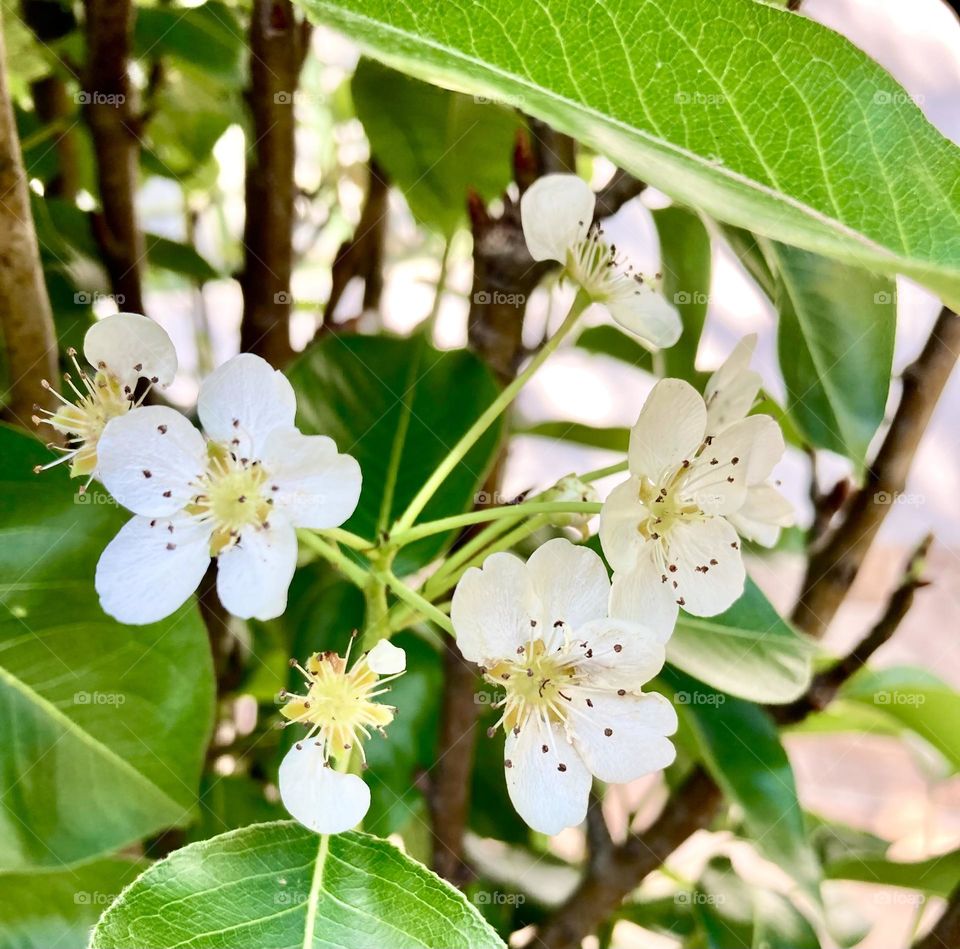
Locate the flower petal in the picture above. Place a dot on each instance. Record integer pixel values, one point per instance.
(622, 738)
(641, 595)
(149, 458)
(556, 212)
(131, 346)
(730, 392)
(571, 583)
(493, 609)
(386, 659)
(253, 576)
(152, 567)
(620, 516)
(764, 512)
(549, 789)
(619, 654)
(322, 799)
(244, 400)
(709, 574)
(315, 485)
(669, 430)
(647, 314)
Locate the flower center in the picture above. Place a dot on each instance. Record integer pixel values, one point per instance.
(666, 506)
(339, 706)
(600, 270)
(534, 684)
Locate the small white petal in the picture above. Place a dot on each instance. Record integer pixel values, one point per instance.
(669, 430)
(730, 392)
(556, 212)
(322, 799)
(152, 567)
(710, 543)
(766, 445)
(386, 659)
(254, 575)
(571, 583)
(620, 516)
(549, 789)
(149, 458)
(131, 346)
(244, 400)
(316, 486)
(618, 653)
(763, 514)
(645, 313)
(622, 738)
(493, 609)
(643, 596)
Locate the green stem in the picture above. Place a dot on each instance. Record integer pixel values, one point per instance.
(331, 553)
(430, 321)
(603, 472)
(466, 553)
(375, 596)
(420, 605)
(353, 541)
(492, 413)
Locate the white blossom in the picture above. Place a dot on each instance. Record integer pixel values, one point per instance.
(237, 495)
(122, 349)
(571, 674)
(557, 216)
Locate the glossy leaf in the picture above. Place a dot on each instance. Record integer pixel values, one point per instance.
(936, 875)
(275, 885)
(607, 340)
(612, 439)
(755, 115)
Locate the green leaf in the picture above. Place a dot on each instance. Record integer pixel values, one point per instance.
(613, 439)
(741, 749)
(103, 727)
(274, 884)
(57, 909)
(936, 875)
(434, 144)
(398, 406)
(607, 340)
(179, 258)
(757, 116)
(685, 258)
(749, 651)
(835, 337)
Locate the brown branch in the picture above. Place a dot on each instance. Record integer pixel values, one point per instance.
(620, 189)
(835, 563)
(946, 933)
(109, 111)
(25, 315)
(277, 49)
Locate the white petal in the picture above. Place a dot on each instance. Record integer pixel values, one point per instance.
(244, 400)
(493, 609)
(637, 742)
(386, 659)
(641, 595)
(321, 798)
(556, 212)
(710, 543)
(730, 392)
(669, 430)
(547, 798)
(571, 583)
(149, 458)
(619, 654)
(620, 515)
(766, 445)
(764, 512)
(316, 486)
(131, 346)
(253, 576)
(151, 567)
(645, 312)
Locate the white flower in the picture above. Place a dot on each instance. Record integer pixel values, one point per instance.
(668, 531)
(237, 496)
(339, 711)
(123, 349)
(557, 216)
(571, 675)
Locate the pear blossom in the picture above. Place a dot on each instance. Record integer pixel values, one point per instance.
(557, 216)
(670, 531)
(339, 712)
(237, 495)
(122, 349)
(571, 674)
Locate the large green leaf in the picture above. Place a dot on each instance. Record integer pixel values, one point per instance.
(274, 885)
(612, 439)
(741, 748)
(57, 909)
(434, 144)
(749, 651)
(103, 727)
(935, 875)
(750, 113)
(398, 406)
(835, 337)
